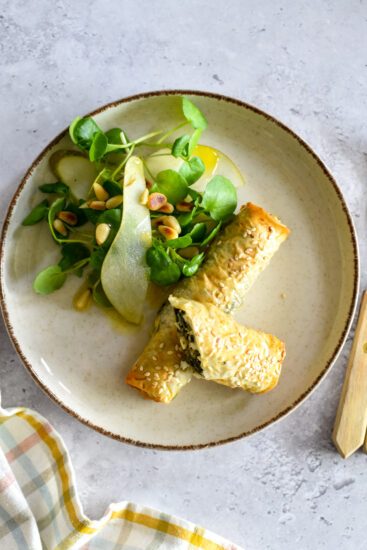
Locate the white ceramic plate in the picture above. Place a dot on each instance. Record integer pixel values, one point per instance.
(306, 296)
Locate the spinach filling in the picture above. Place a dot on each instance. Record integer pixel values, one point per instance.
(191, 353)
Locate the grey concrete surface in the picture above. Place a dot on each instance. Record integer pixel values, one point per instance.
(305, 62)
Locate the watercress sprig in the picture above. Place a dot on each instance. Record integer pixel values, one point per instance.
(168, 260)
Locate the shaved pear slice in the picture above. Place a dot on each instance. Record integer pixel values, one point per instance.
(125, 273)
(162, 160)
(74, 169)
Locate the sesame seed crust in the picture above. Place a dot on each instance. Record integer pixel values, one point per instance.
(231, 354)
(234, 260)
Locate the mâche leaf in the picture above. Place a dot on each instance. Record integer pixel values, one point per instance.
(37, 214)
(50, 279)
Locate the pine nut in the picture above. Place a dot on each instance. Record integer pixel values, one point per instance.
(68, 217)
(144, 197)
(82, 302)
(97, 205)
(170, 221)
(100, 193)
(189, 252)
(167, 208)
(114, 202)
(184, 206)
(60, 228)
(156, 201)
(158, 221)
(168, 232)
(102, 232)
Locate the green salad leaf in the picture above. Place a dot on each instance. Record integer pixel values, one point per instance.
(191, 266)
(99, 296)
(113, 218)
(82, 131)
(112, 188)
(194, 140)
(198, 232)
(180, 242)
(180, 147)
(220, 198)
(37, 214)
(192, 170)
(71, 254)
(171, 184)
(79, 212)
(50, 279)
(58, 187)
(163, 271)
(117, 269)
(193, 114)
(186, 218)
(97, 258)
(55, 208)
(212, 234)
(114, 136)
(98, 146)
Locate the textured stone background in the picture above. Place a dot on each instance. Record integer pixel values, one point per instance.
(305, 62)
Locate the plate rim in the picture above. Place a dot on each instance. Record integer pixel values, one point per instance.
(329, 363)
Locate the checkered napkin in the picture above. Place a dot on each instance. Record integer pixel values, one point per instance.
(40, 509)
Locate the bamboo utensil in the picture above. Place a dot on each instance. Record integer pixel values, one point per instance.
(351, 418)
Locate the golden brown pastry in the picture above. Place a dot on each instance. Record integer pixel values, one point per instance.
(236, 257)
(222, 350)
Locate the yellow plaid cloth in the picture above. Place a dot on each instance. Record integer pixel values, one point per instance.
(39, 508)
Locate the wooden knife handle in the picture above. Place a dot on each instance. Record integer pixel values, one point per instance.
(351, 418)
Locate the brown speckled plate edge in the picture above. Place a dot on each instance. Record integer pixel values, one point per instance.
(328, 364)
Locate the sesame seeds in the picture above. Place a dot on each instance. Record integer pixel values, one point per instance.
(249, 248)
